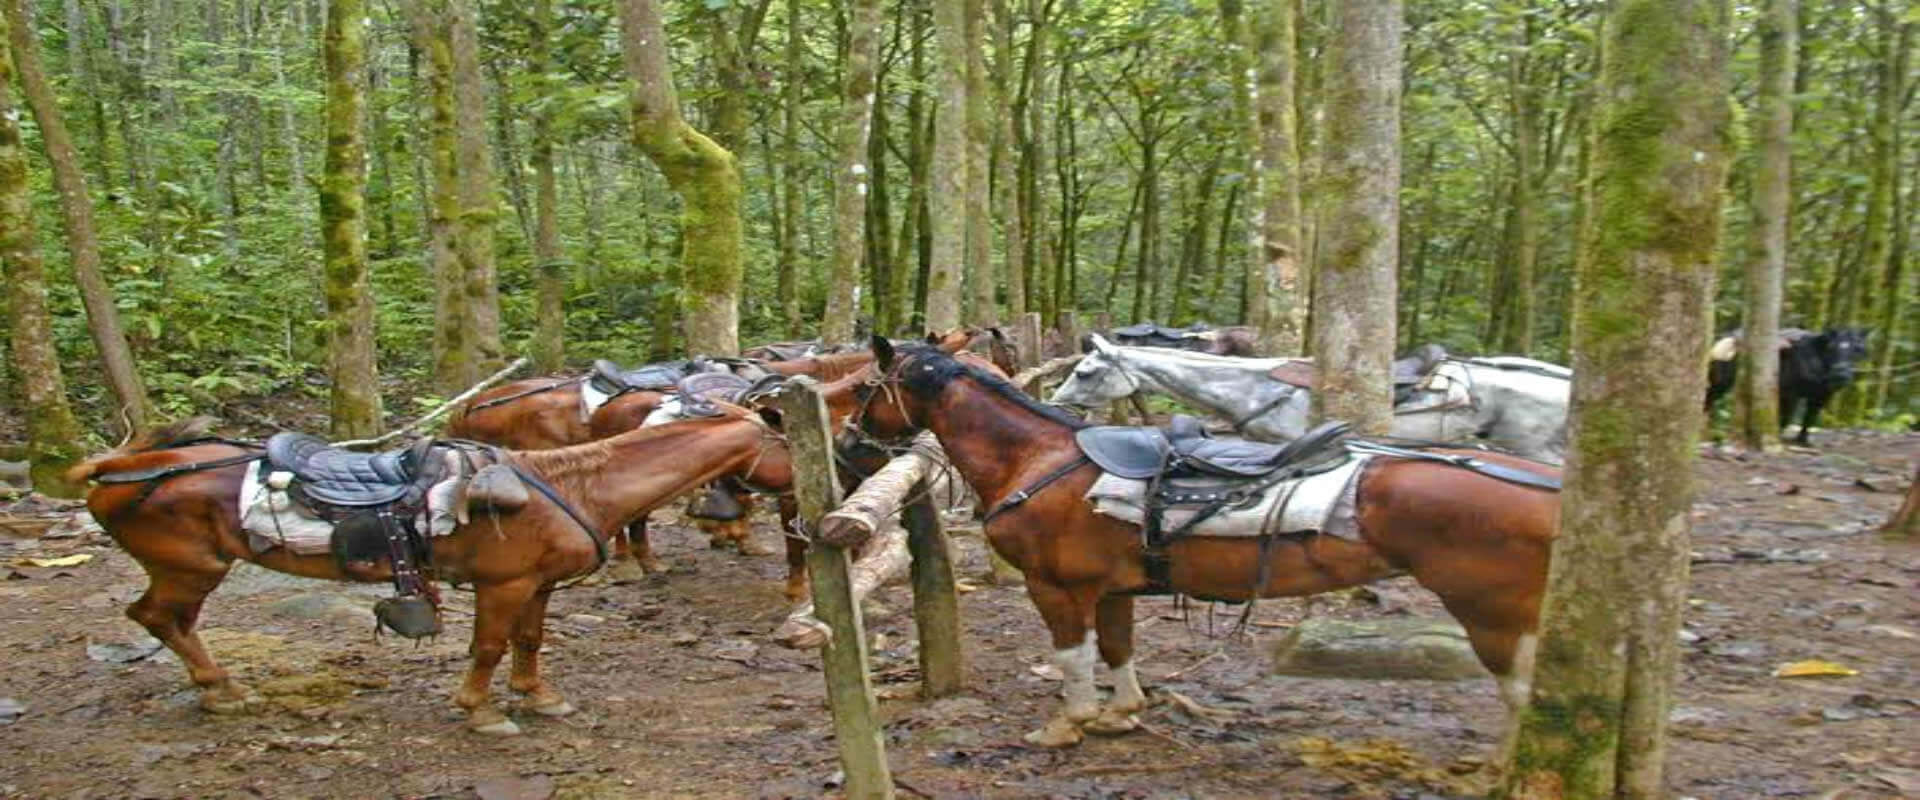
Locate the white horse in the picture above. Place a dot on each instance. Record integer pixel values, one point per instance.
(1517, 404)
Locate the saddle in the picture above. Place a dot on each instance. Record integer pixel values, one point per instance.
(372, 499)
(1153, 335)
(1415, 366)
(698, 392)
(1184, 450)
(611, 380)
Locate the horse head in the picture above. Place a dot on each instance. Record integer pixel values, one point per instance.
(1838, 349)
(1098, 379)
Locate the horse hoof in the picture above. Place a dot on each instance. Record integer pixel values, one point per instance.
(1058, 732)
(557, 708)
(1112, 722)
(626, 572)
(234, 700)
(803, 634)
(654, 566)
(490, 722)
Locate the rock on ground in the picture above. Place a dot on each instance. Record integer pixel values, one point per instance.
(1393, 648)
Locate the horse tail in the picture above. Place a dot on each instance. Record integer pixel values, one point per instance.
(154, 439)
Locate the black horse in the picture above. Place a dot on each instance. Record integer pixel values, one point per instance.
(1813, 366)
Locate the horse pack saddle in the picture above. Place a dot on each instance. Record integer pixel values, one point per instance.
(609, 379)
(698, 392)
(1186, 468)
(1409, 371)
(1149, 334)
(372, 499)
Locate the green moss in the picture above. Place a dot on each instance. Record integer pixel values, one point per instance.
(1566, 749)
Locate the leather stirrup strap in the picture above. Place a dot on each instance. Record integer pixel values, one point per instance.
(1017, 498)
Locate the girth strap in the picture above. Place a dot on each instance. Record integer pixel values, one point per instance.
(599, 540)
(528, 393)
(1017, 498)
(1514, 475)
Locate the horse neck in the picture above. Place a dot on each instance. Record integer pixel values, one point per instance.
(830, 367)
(642, 468)
(1224, 391)
(993, 441)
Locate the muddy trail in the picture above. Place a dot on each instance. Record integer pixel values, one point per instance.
(682, 694)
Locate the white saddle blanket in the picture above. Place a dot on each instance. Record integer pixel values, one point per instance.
(272, 519)
(591, 399)
(1445, 388)
(1323, 502)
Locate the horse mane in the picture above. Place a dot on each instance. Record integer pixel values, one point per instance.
(834, 366)
(944, 369)
(152, 439)
(569, 468)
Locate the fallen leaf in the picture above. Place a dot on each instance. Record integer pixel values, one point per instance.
(1814, 668)
(64, 561)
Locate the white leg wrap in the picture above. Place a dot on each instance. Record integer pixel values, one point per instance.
(1076, 665)
(1127, 695)
(1516, 687)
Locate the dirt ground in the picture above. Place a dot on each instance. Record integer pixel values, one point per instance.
(683, 696)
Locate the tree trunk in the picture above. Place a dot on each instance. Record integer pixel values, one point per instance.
(454, 358)
(1193, 246)
(948, 202)
(53, 435)
(908, 253)
(76, 208)
(792, 179)
(356, 408)
(1273, 287)
(1514, 308)
(850, 184)
(984, 309)
(1146, 262)
(1886, 294)
(1010, 166)
(1354, 286)
(549, 338)
(1608, 647)
(1759, 410)
(479, 207)
(705, 175)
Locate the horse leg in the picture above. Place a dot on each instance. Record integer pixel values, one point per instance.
(169, 609)
(1113, 619)
(797, 586)
(635, 558)
(1069, 614)
(528, 633)
(1814, 403)
(496, 608)
(742, 529)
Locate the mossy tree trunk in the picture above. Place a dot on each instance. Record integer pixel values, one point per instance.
(1273, 289)
(1758, 424)
(343, 227)
(479, 204)
(1009, 195)
(852, 180)
(455, 365)
(1354, 283)
(53, 435)
(705, 175)
(947, 204)
(902, 298)
(1608, 646)
(76, 209)
(984, 309)
(1890, 291)
(549, 338)
(792, 179)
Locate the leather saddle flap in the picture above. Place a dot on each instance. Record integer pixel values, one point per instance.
(1123, 450)
(344, 477)
(1298, 372)
(611, 379)
(1239, 458)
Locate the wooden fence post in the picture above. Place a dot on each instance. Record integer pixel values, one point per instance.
(1069, 326)
(856, 724)
(1032, 340)
(936, 604)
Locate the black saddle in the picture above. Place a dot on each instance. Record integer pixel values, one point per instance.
(337, 477)
(1184, 450)
(609, 378)
(1415, 366)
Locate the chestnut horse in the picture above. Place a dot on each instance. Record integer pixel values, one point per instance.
(1478, 542)
(185, 531)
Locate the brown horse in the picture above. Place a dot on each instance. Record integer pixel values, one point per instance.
(1478, 542)
(185, 531)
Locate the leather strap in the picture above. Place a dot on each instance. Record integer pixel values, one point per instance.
(1014, 500)
(528, 393)
(599, 540)
(1514, 475)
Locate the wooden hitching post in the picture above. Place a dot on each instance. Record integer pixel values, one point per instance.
(856, 723)
(936, 604)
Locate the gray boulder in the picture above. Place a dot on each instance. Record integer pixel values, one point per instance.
(1399, 648)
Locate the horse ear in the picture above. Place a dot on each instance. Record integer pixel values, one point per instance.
(1100, 344)
(997, 335)
(933, 338)
(883, 352)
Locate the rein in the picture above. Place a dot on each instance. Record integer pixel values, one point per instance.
(547, 491)
(528, 393)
